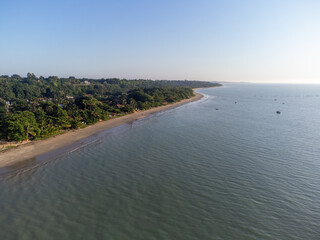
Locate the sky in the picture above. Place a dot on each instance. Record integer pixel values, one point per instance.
(230, 40)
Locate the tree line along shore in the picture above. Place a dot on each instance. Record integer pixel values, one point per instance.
(36, 107)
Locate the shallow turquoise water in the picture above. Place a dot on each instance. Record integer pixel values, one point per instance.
(194, 172)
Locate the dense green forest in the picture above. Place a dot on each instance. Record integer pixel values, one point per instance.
(36, 107)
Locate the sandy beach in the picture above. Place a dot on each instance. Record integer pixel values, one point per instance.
(36, 148)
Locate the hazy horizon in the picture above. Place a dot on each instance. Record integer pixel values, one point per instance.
(248, 41)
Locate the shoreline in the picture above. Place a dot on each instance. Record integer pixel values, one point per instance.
(36, 148)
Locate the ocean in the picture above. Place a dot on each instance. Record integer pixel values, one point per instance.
(225, 167)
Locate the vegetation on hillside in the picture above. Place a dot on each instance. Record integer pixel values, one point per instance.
(33, 107)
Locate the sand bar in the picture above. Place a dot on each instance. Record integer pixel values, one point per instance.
(36, 148)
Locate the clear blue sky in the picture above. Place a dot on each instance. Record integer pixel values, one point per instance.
(235, 40)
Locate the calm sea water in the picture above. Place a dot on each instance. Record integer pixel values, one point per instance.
(194, 172)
